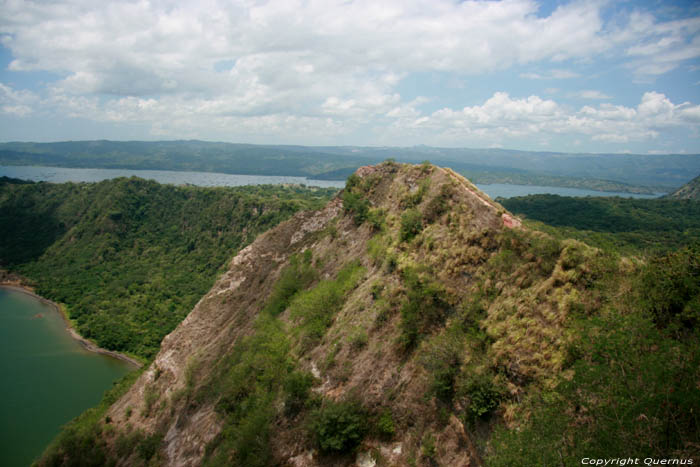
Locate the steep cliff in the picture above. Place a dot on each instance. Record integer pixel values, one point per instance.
(396, 326)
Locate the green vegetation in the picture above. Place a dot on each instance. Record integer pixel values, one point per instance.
(412, 200)
(634, 390)
(621, 224)
(425, 308)
(634, 384)
(296, 277)
(339, 426)
(385, 426)
(411, 224)
(129, 258)
(355, 205)
(669, 288)
(261, 370)
(314, 309)
(255, 374)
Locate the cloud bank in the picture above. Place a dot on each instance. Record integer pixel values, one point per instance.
(324, 69)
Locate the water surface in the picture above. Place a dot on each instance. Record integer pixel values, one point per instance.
(62, 174)
(47, 377)
(504, 190)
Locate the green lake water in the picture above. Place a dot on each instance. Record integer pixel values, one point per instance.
(46, 377)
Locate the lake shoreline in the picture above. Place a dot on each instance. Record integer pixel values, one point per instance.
(85, 343)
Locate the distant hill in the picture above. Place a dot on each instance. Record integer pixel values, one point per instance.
(690, 190)
(634, 173)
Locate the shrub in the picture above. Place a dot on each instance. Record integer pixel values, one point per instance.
(414, 199)
(376, 249)
(376, 219)
(442, 357)
(297, 387)
(294, 278)
(356, 205)
(148, 446)
(339, 426)
(428, 449)
(249, 380)
(634, 389)
(483, 394)
(385, 425)
(411, 224)
(424, 308)
(358, 340)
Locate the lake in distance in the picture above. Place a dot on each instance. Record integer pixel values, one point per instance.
(62, 174)
(47, 377)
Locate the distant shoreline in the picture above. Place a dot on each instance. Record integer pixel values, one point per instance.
(86, 344)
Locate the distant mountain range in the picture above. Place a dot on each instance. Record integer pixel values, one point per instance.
(640, 173)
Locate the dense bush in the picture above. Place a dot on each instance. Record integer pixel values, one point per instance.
(356, 205)
(297, 387)
(669, 287)
(411, 224)
(442, 356)
(339, 426)
(481, 392)
(425, 308)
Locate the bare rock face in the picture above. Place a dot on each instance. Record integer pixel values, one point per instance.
(459, 233)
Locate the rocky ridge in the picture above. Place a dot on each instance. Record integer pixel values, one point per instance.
(430, 254)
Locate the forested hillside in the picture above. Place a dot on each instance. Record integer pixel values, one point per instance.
(129, 258)
(630, 226)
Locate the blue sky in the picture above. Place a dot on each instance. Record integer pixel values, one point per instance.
(581, 76)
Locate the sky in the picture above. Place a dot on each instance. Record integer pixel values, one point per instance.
(565, 76)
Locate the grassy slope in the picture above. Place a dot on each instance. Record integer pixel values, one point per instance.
(130, 257)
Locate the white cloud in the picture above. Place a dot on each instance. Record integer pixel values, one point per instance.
(551, 74)
(141, 48)
(592, 94)
(503, 117)
(17, 102)
(325, 67)
(659, 47)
